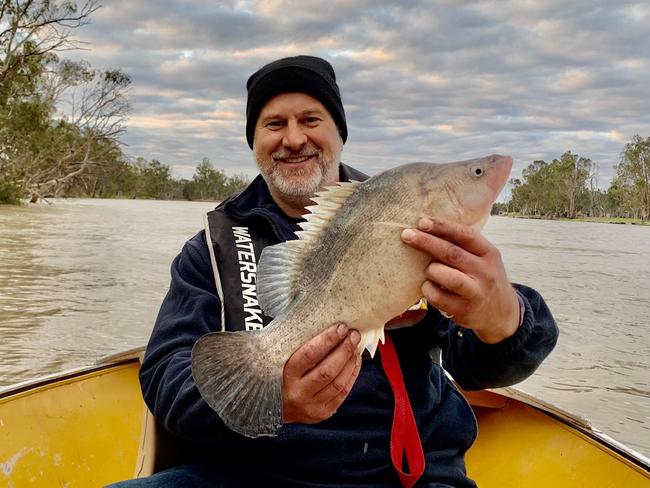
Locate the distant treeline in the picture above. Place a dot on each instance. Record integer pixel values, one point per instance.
(567, 187)
(152, 179)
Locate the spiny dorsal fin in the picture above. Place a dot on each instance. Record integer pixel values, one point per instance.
(281, 265)
(328, 202)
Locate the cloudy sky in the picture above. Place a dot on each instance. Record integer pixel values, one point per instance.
(421, 80)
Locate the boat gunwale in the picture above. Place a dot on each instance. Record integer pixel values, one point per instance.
(576, 424)
(61, 377)
(604, 441)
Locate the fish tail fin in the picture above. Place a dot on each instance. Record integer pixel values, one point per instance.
(236, 377)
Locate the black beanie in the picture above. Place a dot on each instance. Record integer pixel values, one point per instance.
(304, 74)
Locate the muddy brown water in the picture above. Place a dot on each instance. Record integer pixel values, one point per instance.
(80, 279)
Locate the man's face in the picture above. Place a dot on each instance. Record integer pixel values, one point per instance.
(297, 147)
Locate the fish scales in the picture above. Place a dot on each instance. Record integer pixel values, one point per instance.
(349, 266)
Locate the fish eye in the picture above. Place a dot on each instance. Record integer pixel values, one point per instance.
(476, 171)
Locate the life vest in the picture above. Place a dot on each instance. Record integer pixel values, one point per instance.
(235, 248)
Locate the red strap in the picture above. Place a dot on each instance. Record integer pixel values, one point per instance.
(404, 436)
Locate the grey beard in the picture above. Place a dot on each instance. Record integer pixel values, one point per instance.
(298, 189)
(299, 192)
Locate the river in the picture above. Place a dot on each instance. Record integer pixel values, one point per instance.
(80, 279)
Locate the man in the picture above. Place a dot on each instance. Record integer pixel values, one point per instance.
(338, 407)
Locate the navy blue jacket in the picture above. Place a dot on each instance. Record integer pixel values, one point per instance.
(352, 447)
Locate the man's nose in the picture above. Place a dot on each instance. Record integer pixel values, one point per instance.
(294, 137)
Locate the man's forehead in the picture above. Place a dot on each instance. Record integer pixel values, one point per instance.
(292, 103)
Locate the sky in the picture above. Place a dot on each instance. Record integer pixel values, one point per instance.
(433, 81)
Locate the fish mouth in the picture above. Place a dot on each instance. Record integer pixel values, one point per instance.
(502, 165)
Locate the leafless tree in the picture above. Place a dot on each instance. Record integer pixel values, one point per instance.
(62, 140)
(35, 28)
(86, 135)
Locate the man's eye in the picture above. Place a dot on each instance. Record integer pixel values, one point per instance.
(312, 120)
(274, 124)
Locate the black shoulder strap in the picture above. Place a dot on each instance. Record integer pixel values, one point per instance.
(348, 173)
(235, 248)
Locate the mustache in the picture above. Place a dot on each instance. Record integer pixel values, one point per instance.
(304, 152)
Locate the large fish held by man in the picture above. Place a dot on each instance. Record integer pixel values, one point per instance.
(349, 265)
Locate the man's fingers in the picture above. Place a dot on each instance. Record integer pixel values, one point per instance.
(342, 383)
(452, 280)
(463, 235)
(445, 301)
(339, 395)
(313, 351)
(439, 249)
(330, 368)
(312, 394)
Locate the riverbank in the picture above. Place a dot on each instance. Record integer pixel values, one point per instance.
(599, 220)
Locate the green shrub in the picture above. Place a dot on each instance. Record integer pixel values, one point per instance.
(10, 193)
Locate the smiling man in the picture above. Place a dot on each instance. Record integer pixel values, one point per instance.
(295, 124)
(297, 148)
(338, 408)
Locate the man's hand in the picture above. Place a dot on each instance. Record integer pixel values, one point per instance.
(466, 278)
(319, 375)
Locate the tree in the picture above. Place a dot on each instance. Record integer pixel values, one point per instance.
(207, 183)
(572, 173)
(236, 184)
(155, 180)
(531, 196)
(42, 152)
(632, 182)
(33, 30)
(558, 189)
(85, 137)
(115, 177)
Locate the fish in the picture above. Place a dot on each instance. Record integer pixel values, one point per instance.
(350, 265)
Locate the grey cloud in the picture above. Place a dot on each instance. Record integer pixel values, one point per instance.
(421, 80)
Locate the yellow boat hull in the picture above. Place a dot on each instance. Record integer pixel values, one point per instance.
(83, 430)
(90, 427)
(522, 446)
